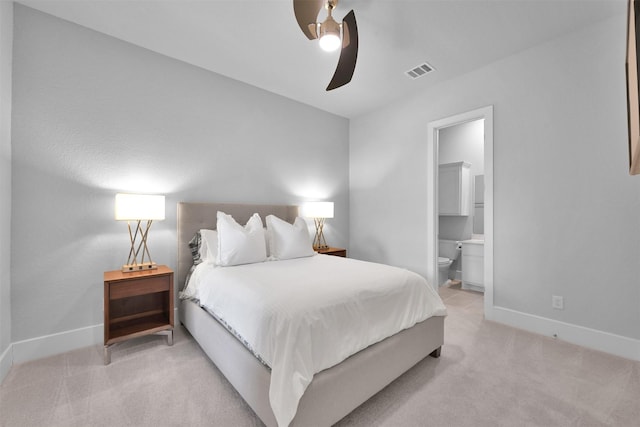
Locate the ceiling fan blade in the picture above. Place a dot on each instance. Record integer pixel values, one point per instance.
(306, 12)
(348, 54)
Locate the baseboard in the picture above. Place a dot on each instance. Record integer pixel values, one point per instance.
(6, 361)
(591, 338)
(48, 345)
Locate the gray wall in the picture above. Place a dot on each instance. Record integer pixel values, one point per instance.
(6, 39)
(566, 210)
(94, 116)
(463, 142)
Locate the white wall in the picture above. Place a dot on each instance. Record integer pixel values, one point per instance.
(94, 116)
(566, 210)
(463, 142)
(6, 41)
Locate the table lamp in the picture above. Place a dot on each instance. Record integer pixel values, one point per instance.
(319, 211)
(139, 207)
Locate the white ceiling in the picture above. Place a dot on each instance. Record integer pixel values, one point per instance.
(260, 43)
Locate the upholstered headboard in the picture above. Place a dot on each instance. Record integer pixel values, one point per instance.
(195, 216)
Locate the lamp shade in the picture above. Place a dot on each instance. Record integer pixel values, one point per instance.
(134, 207)
(318, 210)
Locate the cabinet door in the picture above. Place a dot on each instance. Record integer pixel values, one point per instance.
(473, 264)
(449, 191)
(454, 183)
(473, 269)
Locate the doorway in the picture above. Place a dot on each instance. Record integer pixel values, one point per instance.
(433, 150)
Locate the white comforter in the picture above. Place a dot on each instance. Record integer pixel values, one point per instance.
(305, 315)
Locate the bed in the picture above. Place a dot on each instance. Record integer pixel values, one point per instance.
(333, 392)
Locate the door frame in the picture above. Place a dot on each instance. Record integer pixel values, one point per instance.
(433, 129)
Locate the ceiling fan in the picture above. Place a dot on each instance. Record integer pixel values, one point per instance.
(330, 35)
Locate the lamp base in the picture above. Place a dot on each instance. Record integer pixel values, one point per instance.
(130, 268)
(318, 240)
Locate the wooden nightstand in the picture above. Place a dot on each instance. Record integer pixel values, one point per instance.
(333, 251)
(137, 304)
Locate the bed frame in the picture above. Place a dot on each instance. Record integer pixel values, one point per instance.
(334, 392)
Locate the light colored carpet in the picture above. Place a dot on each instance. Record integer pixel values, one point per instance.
(488, 375)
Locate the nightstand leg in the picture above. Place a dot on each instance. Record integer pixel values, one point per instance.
(107, 355)
(169, 335)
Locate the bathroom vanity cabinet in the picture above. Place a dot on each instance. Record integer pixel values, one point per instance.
(473, 265)
(454, 186)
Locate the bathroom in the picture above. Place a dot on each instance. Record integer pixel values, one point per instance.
(461, 206)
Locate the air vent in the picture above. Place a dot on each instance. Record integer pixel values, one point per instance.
(419, 71)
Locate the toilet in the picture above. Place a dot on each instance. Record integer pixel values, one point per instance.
(448, 252)
(443, 270)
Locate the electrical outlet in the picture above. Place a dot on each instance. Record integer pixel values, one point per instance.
(557, 302)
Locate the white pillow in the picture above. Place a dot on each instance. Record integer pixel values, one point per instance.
(267, 242)
(209, 245)
(238, 244)
(288, 241)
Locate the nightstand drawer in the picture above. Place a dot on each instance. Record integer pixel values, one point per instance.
(142, 286)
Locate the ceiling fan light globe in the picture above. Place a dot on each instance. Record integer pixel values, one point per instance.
(329, 42)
